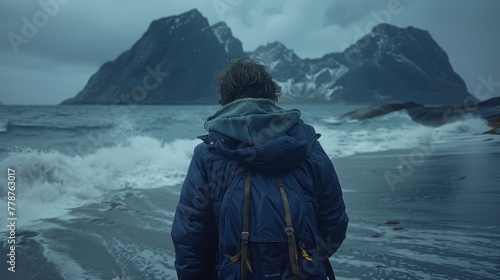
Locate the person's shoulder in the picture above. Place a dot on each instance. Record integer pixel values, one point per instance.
(205, 150)
(316, 152)
(201, 150)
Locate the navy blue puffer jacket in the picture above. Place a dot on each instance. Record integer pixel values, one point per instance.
(257, 134)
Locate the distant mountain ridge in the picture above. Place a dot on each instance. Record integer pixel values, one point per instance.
(389, 64)
(176, 60)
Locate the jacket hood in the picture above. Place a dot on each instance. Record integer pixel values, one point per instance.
(254, 121)
(258, 133)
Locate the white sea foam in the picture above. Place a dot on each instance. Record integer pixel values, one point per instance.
(406, 251)
(339, 120)
(341, 141)
(3, 125)
(51, 183)
(156, 263)
(67, 267)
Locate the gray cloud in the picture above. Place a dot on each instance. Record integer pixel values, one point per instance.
(345, 13)
(466, 30)
(87, 33)
(56, 63)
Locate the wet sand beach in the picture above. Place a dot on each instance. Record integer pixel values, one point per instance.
(439, 222)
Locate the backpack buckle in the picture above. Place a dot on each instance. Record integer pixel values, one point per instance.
(244, 236)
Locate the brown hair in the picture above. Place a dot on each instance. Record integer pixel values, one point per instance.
(245, 78)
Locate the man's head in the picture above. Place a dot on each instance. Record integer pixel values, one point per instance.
(244, 78)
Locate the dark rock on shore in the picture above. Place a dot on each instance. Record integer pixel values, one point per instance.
(436, 116)
(379, 110)
(495, 128)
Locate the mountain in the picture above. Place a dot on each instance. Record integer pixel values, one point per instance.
(388, 64)
(232, 46)
(174, 62)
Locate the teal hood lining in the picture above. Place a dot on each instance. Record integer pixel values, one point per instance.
(254, 121)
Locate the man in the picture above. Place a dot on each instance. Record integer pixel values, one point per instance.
(251, 132)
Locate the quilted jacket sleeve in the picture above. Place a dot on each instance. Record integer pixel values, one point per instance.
(332, 217)
(194, 233)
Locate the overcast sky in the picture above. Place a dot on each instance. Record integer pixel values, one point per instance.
(54, 62)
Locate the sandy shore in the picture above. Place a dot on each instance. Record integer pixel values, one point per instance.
(414, 214)
(422, 215)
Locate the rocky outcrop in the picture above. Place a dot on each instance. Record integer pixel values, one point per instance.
(232, 46)
(435, 116)
(379, 110)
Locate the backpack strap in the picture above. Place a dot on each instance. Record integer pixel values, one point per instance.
(243, 254)
(245, 234)
(292, 247)
(329, 270)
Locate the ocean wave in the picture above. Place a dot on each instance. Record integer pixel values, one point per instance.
(3, 126)
(398, 116)
(51, 183)
(338, 120)
(363, 138)
(31, 127)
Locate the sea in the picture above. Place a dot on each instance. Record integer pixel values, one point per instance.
(96, 189)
